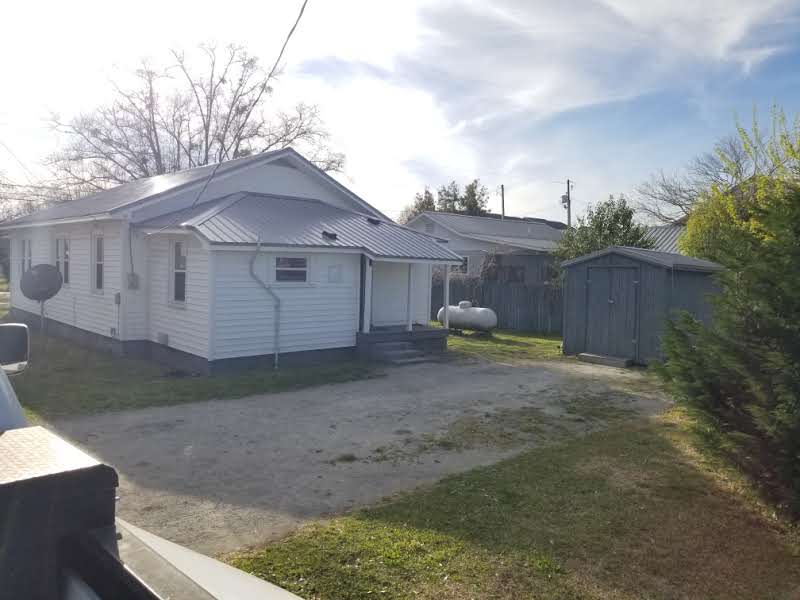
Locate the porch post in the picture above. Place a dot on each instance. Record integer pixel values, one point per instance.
(409, 312)
(367, 296)
(446, 297)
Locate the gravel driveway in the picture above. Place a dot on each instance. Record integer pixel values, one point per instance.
(223, 474)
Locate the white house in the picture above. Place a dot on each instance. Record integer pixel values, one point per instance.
(524, 243)
(269, 258)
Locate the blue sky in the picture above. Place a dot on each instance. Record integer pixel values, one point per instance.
(519, 92)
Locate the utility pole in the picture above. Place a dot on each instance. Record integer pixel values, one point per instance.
(502, 202)
(566, 202)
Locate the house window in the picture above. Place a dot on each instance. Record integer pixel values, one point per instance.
(179, 272)
(462, 268)
(98, 276)
(289, 268)
(25, 256)
(62, 258)
(335, 274)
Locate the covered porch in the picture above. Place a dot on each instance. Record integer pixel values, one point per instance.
(396, 305)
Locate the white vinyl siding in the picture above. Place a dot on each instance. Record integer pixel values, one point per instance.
(137, 299)
(314, 315)
(75, 304)
(390, 293)
(185, 323)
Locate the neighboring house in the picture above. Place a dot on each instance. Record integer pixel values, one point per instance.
(270, 257)
(666, 237)
(525, 244)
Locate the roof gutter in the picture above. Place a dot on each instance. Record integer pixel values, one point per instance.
(50, 222)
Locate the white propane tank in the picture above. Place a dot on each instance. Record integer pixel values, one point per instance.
(465, 316)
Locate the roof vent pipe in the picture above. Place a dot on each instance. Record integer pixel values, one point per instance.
(277, 303)
(329, 235)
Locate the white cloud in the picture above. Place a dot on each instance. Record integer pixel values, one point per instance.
(435, 89)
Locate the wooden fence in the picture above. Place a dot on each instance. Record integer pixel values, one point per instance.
(519, 306)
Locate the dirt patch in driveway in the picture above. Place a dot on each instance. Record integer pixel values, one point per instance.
(220, 475)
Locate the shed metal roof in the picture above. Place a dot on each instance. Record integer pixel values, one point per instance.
(274, 220)
(669, 260)
(473, 226)
(665, 237)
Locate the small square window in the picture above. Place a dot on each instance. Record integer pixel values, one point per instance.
(290, 268)
(335, 274)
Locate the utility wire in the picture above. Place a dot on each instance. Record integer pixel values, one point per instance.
(29, 173)
(264, 88)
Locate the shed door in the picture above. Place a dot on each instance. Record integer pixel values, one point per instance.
(612, 311)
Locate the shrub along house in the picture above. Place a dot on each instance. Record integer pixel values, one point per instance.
(269, 258)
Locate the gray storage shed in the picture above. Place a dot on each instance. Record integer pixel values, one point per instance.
(617, 300)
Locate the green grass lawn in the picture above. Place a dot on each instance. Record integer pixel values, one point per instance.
(506, 346)
(64, 380)
(636, 511)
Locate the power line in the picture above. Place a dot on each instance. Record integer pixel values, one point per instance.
(21, 164)
(264, 87)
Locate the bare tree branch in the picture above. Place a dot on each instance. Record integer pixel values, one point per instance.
(212, 106)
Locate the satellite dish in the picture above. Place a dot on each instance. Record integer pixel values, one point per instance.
(41, 282)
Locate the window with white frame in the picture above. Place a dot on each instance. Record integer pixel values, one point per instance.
(98, 258)
(179, 272)
(25, 256)
(291, 268)
(62, 258)
(462, 268)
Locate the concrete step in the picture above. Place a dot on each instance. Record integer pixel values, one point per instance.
(395, 354)
(411, 360)
(390, 346)
(608, 361)
(398, 353)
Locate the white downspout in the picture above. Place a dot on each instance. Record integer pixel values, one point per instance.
(277, 317)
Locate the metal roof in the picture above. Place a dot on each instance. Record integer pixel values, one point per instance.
(665, 237)
(127, 194)
(274, 220)
(473, 226)
(669, 260)
(518, 242)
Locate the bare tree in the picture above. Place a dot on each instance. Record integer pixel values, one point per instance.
(18, 199)
(186, 116)
(670, 197)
